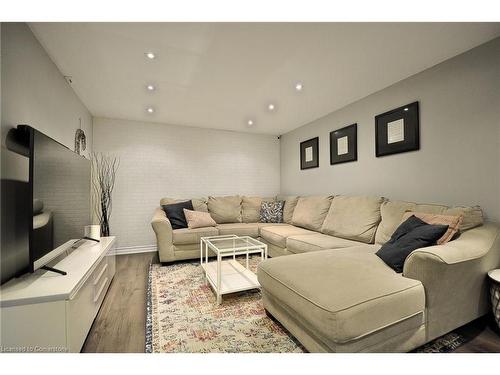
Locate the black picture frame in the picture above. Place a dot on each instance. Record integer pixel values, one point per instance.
(409, 114)
(351, 132)
(314, 163)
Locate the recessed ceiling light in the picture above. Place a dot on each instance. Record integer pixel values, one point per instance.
(271, 107)
(151, 87)
(150, 109)
(299, 86)
(150, 55)
(250, 123)
(406, 109)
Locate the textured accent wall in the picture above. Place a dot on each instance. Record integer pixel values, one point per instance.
(459, 159)
(159, 160)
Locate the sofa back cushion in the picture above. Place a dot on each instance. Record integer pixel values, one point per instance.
(472, 216)
(354, 218)
(392, 213)
(289, 207)
(225, 209)
(310, 212)
(250, 208)
(199, 204)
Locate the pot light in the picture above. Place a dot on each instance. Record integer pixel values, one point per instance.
(271, 107)
(150, 55)
(150, 110)
(151, 87)
(299, 86)
(250, 123)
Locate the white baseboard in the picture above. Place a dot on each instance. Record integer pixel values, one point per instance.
(135, 249)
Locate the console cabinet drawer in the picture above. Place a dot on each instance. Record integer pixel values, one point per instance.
(84, 306)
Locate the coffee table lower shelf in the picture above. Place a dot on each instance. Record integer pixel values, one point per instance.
(234, 277)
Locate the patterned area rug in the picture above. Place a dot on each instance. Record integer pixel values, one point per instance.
(182, 316)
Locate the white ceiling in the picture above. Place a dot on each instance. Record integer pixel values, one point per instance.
(219, 75)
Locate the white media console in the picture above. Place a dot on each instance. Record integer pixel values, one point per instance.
(48, 312)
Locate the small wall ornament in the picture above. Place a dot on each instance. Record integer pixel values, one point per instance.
(80, 139)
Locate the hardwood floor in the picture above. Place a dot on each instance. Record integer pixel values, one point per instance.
(120, 324)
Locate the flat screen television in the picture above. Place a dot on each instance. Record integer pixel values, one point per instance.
(59, 189)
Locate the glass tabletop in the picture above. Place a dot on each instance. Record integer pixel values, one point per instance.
(233, 243)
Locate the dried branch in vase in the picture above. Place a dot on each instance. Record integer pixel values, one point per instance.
(104, 169)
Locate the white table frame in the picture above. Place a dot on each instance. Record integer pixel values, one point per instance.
(229, 276)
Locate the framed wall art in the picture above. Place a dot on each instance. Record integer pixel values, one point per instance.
(344, 145)
(397, 130)
(309, 153)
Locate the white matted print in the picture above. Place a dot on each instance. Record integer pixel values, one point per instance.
(342, 146)
(309, 154)
(396, 131)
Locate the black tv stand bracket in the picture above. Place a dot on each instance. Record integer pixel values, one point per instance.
(47, 268)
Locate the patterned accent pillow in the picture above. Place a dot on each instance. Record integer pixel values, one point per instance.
(271, 212)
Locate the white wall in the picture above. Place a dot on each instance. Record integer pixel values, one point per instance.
(459, 159)
(159, 160)
(33, 92)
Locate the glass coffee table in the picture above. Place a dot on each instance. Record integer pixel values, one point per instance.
(229, 276)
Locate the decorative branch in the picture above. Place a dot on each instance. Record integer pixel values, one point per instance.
(104, 169)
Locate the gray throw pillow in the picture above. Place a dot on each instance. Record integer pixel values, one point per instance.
(271, 212)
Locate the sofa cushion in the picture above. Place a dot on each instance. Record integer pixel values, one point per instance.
(351, 293)
(239, 229)
(412, 234)
(225, 209)
(250, 208)
(277, 234)
(263, 225)
(271, 212)
(186, 236)
(354, 218)
(453, 223)
(310, 212)
(175, 213)
(392, 213)
(317, 241)
(289, 207)
(472, 216)
(199, 204)
(198, 219)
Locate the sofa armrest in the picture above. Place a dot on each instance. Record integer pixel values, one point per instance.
(163, 231)
(454, 277)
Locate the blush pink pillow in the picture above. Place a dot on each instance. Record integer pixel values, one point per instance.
(198, 219)
(453, 223)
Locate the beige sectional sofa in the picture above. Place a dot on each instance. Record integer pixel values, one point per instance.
(334, 294)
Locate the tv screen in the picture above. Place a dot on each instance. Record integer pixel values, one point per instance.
(60, 183)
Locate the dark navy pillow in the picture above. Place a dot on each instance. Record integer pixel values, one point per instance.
(412, 234)
(175, 213)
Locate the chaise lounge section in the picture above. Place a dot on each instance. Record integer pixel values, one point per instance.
(346, 299)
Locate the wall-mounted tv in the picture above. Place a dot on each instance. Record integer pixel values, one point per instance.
(58, 195)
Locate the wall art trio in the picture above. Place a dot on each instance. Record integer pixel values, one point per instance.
(396, 131)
